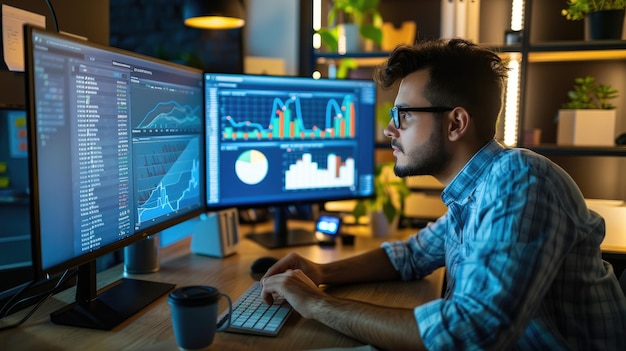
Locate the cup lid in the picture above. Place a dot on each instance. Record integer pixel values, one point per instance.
(195, 295)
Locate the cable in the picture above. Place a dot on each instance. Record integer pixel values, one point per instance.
(13, 305)
(9, 304)
(51, 292)
(54, 16)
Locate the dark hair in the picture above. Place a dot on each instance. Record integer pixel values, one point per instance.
(461, 74)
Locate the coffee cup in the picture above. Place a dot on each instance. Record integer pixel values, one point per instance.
(194, 315)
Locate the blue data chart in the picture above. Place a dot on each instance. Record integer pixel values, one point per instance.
(171, 115)
(168, 177)
(159, 107)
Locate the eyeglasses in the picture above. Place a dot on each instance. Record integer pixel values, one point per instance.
(395, 112)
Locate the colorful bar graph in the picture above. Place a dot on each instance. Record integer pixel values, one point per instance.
(287, 122)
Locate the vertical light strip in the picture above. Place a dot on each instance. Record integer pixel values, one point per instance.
(317, 23)
(517, 15)
(511, 102)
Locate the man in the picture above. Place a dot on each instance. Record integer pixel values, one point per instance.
(521, 249)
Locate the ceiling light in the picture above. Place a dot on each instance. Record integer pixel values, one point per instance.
(213, 14)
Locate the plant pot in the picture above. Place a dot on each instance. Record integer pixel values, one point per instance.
(606, 24)
(349, 40)
(586, 127)
(381, 226)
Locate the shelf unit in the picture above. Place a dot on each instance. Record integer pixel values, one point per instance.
(553, 52)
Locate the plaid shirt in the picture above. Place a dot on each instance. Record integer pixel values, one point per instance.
(522, 255)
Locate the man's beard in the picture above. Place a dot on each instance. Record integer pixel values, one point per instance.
(429, 159)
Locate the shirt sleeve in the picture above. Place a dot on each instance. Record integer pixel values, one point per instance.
(421, 254)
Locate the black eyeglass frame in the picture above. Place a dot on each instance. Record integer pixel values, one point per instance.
(394, 112)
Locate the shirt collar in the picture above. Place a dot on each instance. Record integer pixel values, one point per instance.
(465, 181)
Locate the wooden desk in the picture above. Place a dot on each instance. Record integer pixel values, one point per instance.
(151, 329)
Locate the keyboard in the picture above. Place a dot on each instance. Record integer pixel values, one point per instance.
(253, 316)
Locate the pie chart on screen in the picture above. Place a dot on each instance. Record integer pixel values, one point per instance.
(251, 167)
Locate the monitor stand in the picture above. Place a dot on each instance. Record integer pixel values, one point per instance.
(282, 236)
(116, 303)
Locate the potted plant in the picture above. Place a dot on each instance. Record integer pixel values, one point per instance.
(604, 19)
(390, 192)
(586, 94)
(360, 18)
(588, 118)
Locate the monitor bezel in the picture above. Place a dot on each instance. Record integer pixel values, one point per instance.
(39, 271)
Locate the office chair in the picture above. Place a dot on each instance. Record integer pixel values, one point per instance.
(622, 281)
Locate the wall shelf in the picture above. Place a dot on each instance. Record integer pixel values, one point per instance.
(374, 58)
(557, 150)
(577, 51)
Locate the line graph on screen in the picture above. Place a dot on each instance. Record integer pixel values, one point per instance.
(169, 177)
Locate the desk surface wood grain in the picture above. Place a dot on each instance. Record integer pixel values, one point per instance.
(151, 329)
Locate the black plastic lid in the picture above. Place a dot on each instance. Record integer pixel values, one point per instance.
(195, 295)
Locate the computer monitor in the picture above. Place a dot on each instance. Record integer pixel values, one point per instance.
(116, 154)
(279, 140)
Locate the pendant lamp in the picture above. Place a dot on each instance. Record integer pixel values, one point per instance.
(213, 14)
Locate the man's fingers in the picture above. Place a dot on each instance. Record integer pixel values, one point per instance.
(265, 294)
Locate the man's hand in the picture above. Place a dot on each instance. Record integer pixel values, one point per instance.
(294, 261)
(297, 279)
(296, 287)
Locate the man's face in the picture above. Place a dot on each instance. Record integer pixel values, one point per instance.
(418, 145)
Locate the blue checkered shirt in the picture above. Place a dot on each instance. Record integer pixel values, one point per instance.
(523, 261)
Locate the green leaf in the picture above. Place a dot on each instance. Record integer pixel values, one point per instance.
(371, 32)
(360, 209)
(345, 66)
(329, 37)
(382, 114)
(389, 210)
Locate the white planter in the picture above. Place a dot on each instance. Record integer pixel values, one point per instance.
(349, 38)
(586, 127)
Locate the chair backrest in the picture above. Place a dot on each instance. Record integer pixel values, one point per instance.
(622, 281)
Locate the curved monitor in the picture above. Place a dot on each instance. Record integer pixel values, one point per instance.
(116, 147)
(278, 140)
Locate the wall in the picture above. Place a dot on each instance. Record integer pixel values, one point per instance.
(155, 28)
(93, 23)
(272, 31)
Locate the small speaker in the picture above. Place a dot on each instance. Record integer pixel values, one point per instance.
(216, 234)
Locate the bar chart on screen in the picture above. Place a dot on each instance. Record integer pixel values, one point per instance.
(318, 169)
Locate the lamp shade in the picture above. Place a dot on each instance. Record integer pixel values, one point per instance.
(213, 14)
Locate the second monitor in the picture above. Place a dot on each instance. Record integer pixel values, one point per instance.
(277, 140)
